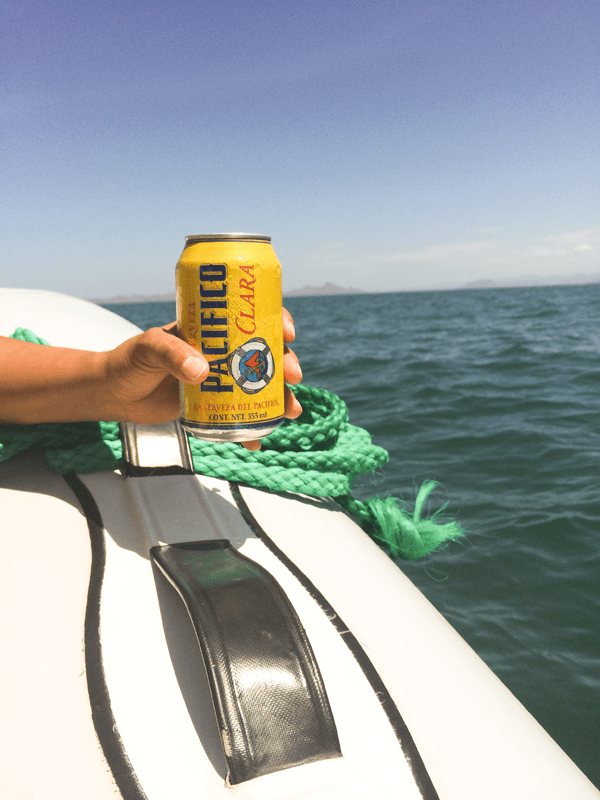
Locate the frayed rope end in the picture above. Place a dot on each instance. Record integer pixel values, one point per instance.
(405, 535)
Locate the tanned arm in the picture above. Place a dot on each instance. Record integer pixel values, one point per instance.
(135, 382)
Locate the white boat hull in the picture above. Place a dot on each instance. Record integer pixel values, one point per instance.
(104, 689)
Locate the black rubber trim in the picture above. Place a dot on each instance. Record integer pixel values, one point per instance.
(269, 697)
(404, 736)
(131, 471)
(102, 715)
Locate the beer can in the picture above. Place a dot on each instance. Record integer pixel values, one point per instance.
(229, 309)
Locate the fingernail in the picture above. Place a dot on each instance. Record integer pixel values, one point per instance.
(194, 368)
(289, 330)
(294, 373)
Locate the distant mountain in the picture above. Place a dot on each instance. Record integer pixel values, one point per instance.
(483, 284)
(136, 298)
(579, 279)
(327, 288)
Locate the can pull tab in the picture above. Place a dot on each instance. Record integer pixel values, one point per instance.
(155, 449)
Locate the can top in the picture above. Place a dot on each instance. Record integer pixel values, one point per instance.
(226, 237)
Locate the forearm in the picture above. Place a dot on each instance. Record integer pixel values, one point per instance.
(49, 384)
(138, 381)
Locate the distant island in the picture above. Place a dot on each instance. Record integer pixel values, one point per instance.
(484, 284)
(532, 281)
(327, 288)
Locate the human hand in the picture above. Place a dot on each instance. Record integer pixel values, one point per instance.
(142, 375)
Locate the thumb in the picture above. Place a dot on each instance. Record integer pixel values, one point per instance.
(159, 349)
(194, 369)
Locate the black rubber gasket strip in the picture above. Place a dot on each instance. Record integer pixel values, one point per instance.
(102, 715)
(404, 736)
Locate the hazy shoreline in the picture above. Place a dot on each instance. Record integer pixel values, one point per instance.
(330, 289)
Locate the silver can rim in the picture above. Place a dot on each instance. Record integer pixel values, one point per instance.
(227, 237)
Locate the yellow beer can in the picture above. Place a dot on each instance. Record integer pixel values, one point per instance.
(229, 309)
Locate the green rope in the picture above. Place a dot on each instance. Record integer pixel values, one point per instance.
(319, 454)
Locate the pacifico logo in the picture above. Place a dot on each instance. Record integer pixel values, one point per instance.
(252, 365)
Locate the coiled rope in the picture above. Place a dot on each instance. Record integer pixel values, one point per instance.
(319, 454)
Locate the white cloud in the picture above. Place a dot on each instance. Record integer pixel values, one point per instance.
(346, 254)
(588, 236)
(558, 257)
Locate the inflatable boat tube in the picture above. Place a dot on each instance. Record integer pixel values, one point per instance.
(167, 635)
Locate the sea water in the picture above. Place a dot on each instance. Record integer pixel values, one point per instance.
(495, 394)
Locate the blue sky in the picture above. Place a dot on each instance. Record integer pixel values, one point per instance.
(383, 145)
